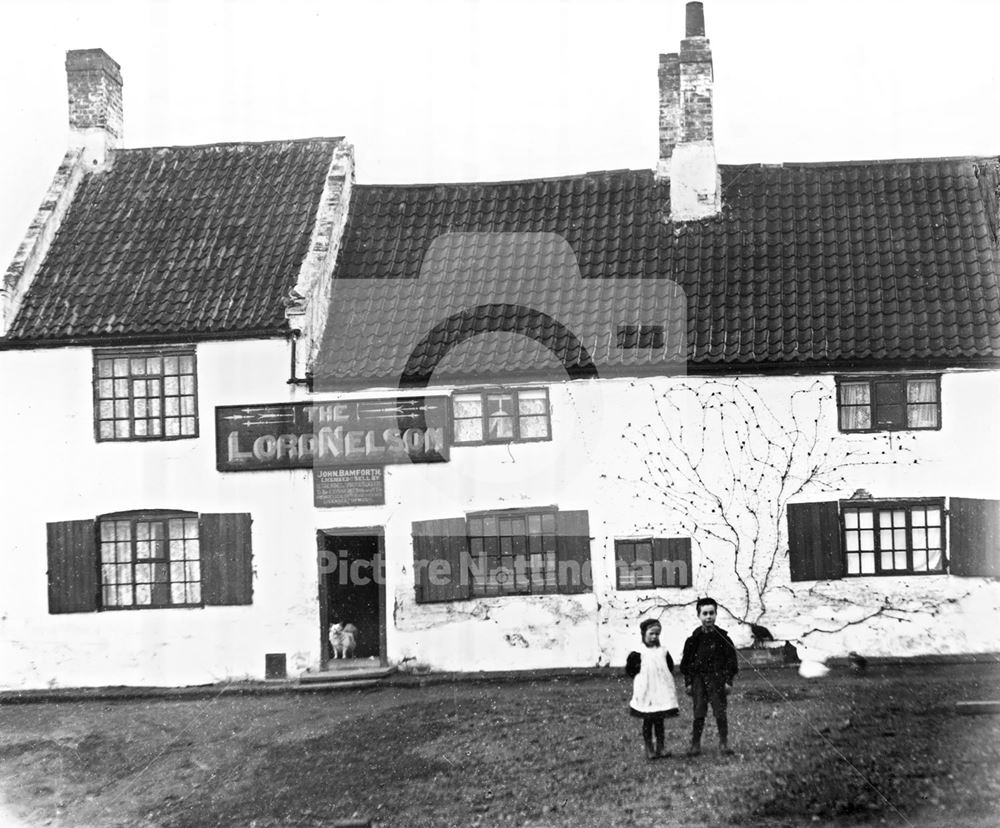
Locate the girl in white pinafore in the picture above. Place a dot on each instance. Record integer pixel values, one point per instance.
(654, 695)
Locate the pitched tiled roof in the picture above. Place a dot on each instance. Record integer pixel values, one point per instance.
(858, 264)
(180, 241)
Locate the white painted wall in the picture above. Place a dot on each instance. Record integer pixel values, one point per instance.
(56, 471)
(580, 469)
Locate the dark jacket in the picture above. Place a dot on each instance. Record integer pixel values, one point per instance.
(709, 654)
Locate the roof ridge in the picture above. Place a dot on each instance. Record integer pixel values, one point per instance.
(429, 185)
(863, 162)
(233, 144)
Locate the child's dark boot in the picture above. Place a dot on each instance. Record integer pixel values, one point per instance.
(651, 751)
(723, 724)
(696, 729)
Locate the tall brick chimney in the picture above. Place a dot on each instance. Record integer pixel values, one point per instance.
(687, 149)
(96, 119)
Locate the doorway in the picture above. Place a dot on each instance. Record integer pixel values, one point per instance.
(352, 591)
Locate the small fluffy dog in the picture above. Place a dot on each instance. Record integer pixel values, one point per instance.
(343, 638)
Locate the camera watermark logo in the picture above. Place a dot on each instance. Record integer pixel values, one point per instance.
(500, 310)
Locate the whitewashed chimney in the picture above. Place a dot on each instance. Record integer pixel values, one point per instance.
(687, 147)
(96, 118)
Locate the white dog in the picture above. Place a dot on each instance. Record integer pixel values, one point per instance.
(343, 638)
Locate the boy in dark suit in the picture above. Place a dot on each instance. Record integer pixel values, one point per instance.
(709, 667)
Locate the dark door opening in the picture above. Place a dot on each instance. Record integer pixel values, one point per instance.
(351, 592)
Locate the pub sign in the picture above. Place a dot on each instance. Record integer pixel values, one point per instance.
(347, 434)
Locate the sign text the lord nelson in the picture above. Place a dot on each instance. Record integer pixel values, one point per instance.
(353, 433)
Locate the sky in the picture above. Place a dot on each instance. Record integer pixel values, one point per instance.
(482, 90)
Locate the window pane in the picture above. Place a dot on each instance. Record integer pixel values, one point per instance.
(170, 365)
(900, 559)
(533, 428)
(933, 517)
(104, 367)
(121, 367)
(187, 364)
(934, 538)
(468, 405)
(187, 384)
(501, 426)
(934, 560)
(121, 428)
(865, 519)
(855, 417)
(855, 393)
(187, 425)
(153, 365)
(173, 426)
(918, 517)
(867, 563)
(921, 391)
(532, 402)
(121, 388)
(466, 431)
(919, 560)
(922, 416)
(851, 541)
(853, 565)
(142, 595)
(171, 387)
(850, 519)
(121, 409)
(886, 561)
(867, 539)
(535, 524)
(137, 366)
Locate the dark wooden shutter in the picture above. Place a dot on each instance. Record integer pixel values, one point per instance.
(440, 560)
(672, 562)
(975, 537)
(573, 552)
(226, 559)
(814, 541)
(72, 556)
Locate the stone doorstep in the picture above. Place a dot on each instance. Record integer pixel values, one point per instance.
(340, 674)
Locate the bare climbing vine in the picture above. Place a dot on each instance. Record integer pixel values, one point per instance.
(726, 463)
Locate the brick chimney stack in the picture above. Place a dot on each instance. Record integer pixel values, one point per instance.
(687, 149)
(96, 118)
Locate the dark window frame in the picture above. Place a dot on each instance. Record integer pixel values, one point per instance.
(484, 416)
(151, 516)
(873, 404)
(620, 544)
(907, 505)
(486, 556)
(160, 353)
(658, 556)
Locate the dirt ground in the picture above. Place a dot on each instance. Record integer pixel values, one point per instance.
(885, 748)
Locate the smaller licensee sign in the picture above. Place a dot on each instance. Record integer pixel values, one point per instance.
(338, 486)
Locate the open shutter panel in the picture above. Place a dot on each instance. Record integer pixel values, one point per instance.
(975, 537)
(72, 558)
(672, 562)
(814, 541)
(440, 560)
(573, 551)
(226, 559)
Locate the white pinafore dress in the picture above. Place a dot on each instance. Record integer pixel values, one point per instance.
(654, 694)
